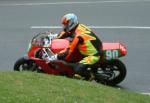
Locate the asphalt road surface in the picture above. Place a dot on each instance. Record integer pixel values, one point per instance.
(126, 21)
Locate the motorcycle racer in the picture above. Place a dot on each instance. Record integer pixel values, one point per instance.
(82, 38)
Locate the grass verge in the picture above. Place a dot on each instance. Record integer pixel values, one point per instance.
(27, 87)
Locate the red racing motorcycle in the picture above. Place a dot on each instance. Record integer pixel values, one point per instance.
(109, 70)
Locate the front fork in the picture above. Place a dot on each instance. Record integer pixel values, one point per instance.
(46, 52)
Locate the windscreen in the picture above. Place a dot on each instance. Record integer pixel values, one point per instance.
(41, 39)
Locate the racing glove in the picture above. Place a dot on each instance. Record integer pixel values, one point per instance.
(62, 55)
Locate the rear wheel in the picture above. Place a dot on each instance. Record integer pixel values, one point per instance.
(24, 64)
(111, 73)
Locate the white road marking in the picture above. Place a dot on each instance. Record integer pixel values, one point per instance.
(146, 94)
(95, 27)
(45, 27)
(67, 3)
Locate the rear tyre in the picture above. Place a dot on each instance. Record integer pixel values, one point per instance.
(111, 73)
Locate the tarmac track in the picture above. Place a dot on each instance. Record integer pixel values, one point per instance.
(125, 21)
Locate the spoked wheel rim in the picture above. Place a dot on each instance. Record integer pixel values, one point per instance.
(111, 73)
(26, 67)
(23, 64)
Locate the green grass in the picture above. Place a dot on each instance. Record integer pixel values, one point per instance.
(27, 87)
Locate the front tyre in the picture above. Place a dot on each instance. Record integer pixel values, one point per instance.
(24, 64)
(111, 73)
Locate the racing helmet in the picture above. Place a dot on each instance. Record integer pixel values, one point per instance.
(69, 22)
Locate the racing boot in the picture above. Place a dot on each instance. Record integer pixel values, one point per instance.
(81, 71)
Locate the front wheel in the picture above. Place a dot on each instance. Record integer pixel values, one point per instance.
(24, 64)
(111, 73)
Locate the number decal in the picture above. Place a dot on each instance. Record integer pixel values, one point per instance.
(112, 54)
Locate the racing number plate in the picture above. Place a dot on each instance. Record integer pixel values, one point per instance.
(112, 54)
